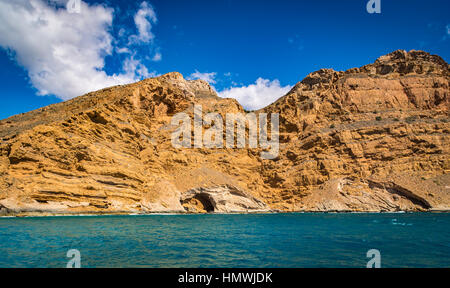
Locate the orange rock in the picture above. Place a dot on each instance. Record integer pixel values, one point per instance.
(374, 138)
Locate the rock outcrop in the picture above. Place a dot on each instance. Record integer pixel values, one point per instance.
(374, 138)
(222, 199)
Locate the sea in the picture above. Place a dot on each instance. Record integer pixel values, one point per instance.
(292, 240)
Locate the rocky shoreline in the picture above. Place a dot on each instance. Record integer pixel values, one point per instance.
(37, 214)
(8, 214)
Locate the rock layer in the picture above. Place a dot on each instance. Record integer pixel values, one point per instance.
(374, 138)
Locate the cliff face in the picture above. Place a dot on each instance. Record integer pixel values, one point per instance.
(374, 138)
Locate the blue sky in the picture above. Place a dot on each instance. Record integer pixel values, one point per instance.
(252, 50)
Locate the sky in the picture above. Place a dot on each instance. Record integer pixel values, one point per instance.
(251, 50)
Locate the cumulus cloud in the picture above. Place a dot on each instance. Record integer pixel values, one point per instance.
(157, 57)
(258, 95)
(64, 53)
(447, 32)
(208, 77)
(123, 50)
(132, 66)
(144, 19)
(252, 97)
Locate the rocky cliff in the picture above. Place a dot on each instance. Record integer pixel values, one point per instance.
(374, 138)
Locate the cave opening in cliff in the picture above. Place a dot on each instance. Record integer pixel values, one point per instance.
(198, 203)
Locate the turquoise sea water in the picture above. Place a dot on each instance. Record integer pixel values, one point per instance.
(269, 240)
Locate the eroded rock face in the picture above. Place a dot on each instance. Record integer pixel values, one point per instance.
(222, 199)
(374, 138)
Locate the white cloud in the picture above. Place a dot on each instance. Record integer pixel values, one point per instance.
(258, 95)
(144, 19)
(208, 77)
(64, 53)
(447, 33)
(252, 97)
(132, 66)
(123, 50)
(157, 57)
